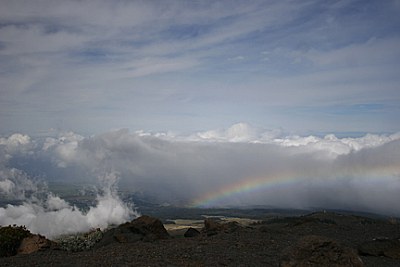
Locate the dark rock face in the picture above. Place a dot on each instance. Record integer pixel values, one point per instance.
(320, 251)
(191, 232)
(381, 247)
(34, 243)
(149, 227)
(144, 228)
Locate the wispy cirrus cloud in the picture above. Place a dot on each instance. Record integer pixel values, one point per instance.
(62, 61)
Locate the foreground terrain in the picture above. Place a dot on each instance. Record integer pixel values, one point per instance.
(316, 239)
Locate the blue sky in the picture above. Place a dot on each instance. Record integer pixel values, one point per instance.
(184, 66)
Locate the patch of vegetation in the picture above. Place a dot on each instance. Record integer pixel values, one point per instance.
(79, 242)
(10, 239)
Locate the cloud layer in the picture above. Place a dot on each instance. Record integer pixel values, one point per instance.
(238, 166)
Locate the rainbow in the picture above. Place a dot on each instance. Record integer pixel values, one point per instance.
(377, 174)
(244, 186)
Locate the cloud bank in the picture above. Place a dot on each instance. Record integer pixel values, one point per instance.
(234, 167)
(45, 213)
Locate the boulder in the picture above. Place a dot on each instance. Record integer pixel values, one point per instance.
(191, 232)
(381, 247)
(151, 228)
(125, 235)
(33, 243)
(320, 251)
(144, 228)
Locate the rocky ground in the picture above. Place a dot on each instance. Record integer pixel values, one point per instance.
(318, 239)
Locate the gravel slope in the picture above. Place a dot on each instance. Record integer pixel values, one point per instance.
(258, 245)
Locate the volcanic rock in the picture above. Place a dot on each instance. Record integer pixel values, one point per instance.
(320, 251)
(34, 243)
(278, 245)
(144, 228)
(150, 227)
(381, 247)
(191, 232)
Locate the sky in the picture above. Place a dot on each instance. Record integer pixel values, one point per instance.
(284, 104)
(306, 67)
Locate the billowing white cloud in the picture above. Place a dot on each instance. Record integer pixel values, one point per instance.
(40, 210)
(55, 217)
(16, 143)
(6, 186)
(64, 147)
(16, 184)
(238, 166)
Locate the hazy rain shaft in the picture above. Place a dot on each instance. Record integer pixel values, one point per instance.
(237, 167)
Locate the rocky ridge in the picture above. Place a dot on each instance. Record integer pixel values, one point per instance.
(317, 239)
